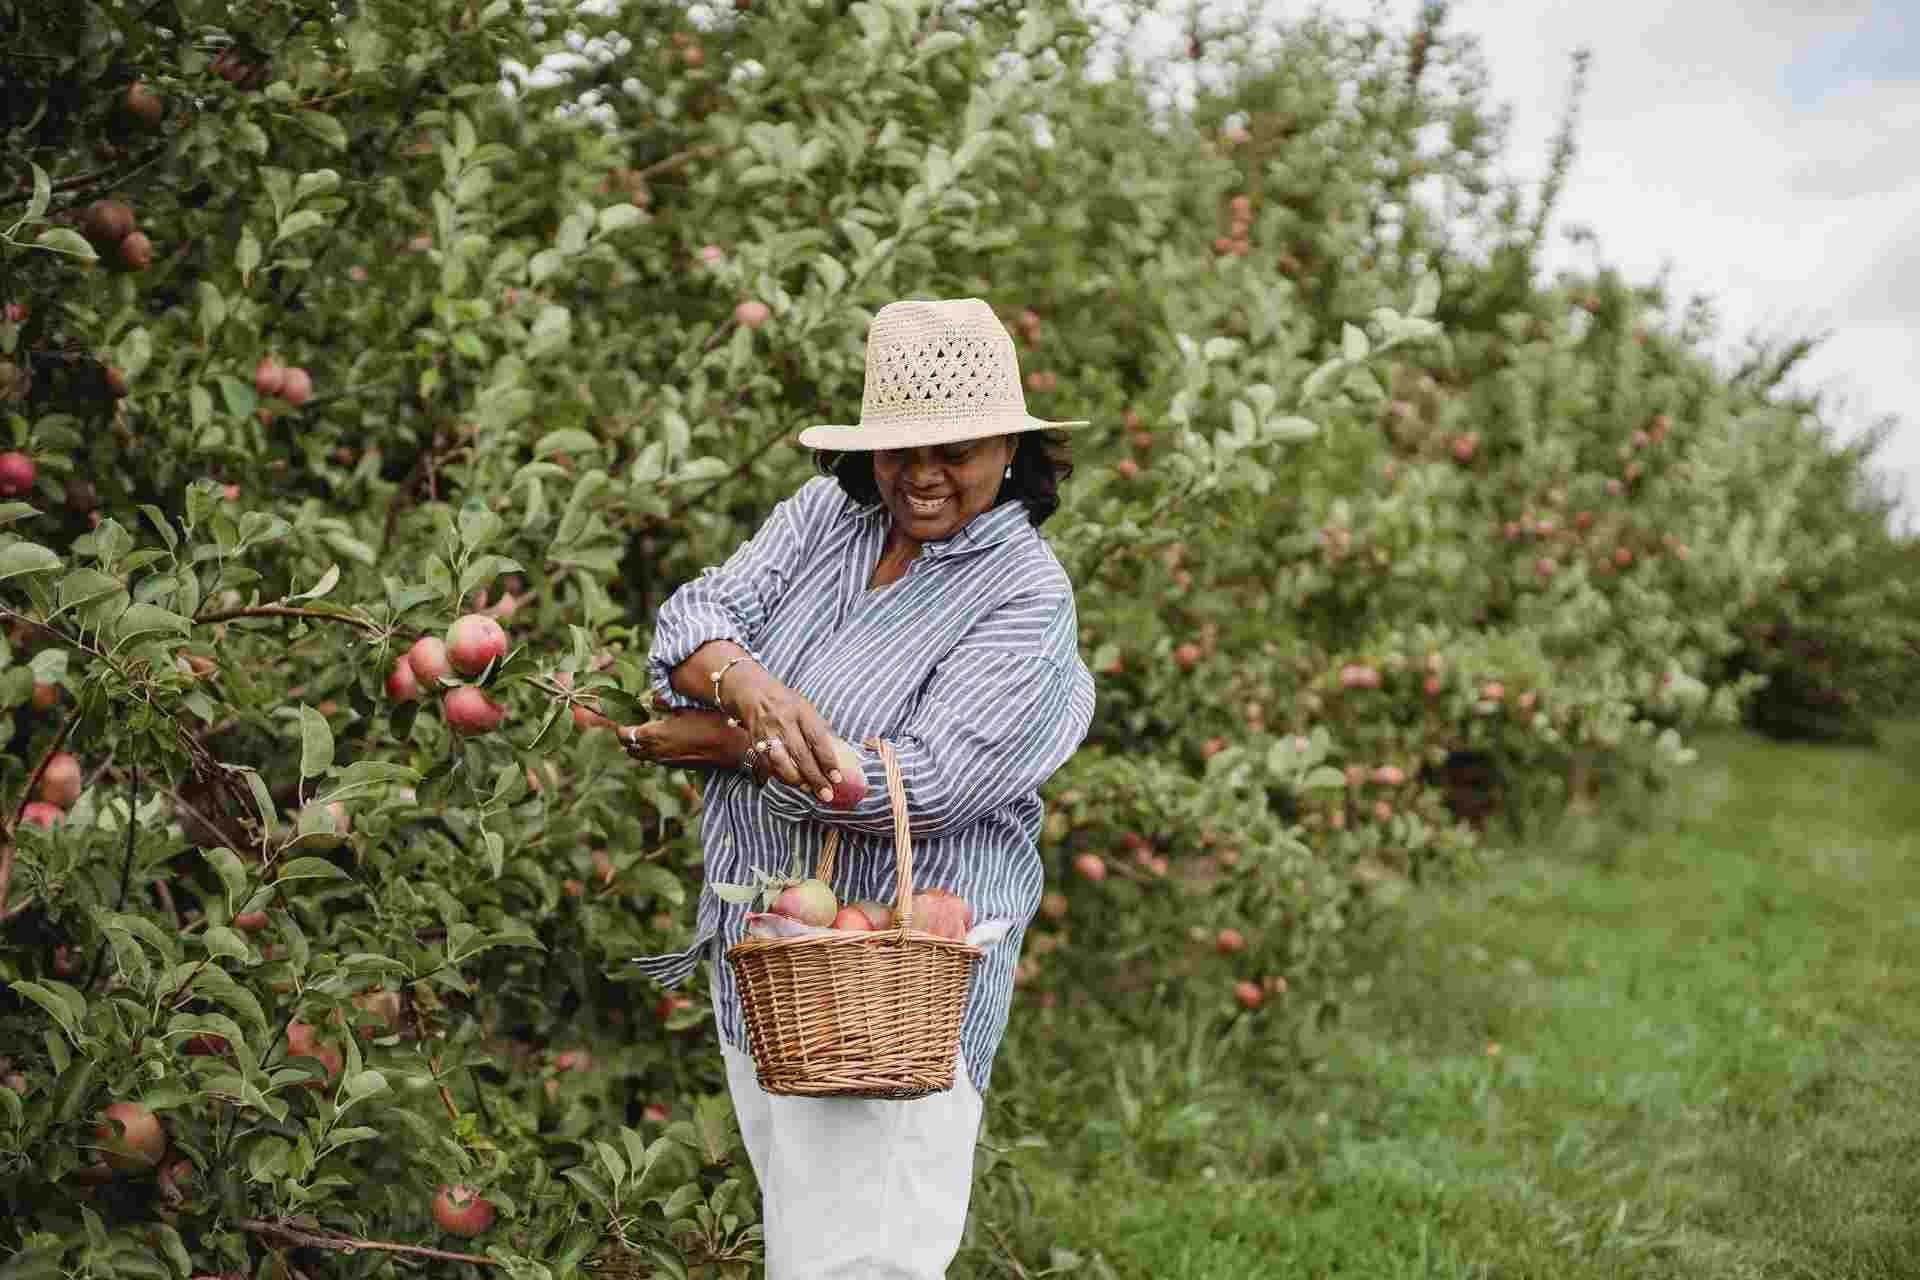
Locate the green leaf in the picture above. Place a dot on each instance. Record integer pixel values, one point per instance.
(1353, 342)
(11, 511)
(60, 1010)
(565, 440)
(26, 557)
(246, 258)
(328, 581)
(316, 743)
(298, 223)
(1325, 778)
(324, 127)
(310, 869)
(241, 399)
(233, 875)
(85, 585)
(149, 619)
(1292, 428)
(221, 941)
(64, 241)
(42, 193)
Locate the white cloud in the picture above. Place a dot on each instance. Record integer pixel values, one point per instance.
(1763, 151)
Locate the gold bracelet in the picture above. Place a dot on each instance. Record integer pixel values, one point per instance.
(721, 674)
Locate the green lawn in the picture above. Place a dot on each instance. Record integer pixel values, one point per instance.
(1688, 1047)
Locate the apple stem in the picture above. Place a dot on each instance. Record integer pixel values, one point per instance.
(352, 1244)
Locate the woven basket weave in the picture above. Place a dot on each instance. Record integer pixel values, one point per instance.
(857, 1015)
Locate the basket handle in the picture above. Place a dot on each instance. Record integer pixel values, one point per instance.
(902, 836)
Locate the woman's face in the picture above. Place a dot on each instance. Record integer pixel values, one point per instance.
(932, 492)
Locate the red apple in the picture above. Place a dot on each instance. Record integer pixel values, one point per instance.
(41, 814)
(136, 251)
(303, 1041)
(462, 1212)
(1230, 942)
(16, 474)
(1126, 468)
(138, 1142)
(469, 710)
(1187, 656)
(402, 684)
(1091, 866)
(60, 784)
(474, 641)
(852, 787)
(428, 658)
(852, 919)
(878, 914)
(296, 388)
(1249, 994)
(1054, 906)
(655, 1113)
(45, 697)
(573, 1060)
(1389, 775)
(942, 912)
(250, 921)
(269, 377)
(752, 314)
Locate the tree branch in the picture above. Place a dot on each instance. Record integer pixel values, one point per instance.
(349, 1244)
(285, 611)
(673, 162)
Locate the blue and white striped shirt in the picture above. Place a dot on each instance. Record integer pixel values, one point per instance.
(969, 666)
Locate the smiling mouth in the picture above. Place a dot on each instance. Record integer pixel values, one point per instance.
(922, 507)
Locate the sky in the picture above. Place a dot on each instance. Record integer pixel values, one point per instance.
(1765, 153)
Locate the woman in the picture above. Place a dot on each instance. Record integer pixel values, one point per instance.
(904, 594)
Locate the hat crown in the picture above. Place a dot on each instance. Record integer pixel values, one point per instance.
(934, 361)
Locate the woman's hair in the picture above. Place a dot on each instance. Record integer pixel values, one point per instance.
(1040, 467)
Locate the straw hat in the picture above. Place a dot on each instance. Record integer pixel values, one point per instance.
(936, 372)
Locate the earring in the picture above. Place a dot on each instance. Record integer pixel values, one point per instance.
(1009, 474)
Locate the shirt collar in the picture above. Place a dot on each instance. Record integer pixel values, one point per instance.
(988, 529)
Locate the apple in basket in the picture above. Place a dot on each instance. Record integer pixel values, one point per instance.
(942, 912)
(852, 920)
(809, 902)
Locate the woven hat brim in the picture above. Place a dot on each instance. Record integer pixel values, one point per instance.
(912, 435)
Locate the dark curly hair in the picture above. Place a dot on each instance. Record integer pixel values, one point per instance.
(1040, 467)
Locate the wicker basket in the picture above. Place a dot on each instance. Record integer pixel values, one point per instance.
(857, 1015)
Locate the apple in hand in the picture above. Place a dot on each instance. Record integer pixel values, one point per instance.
(852, 787)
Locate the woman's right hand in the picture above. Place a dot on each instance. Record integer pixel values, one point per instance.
(802, 755)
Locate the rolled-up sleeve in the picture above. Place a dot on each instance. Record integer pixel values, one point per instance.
(732, 601)
(1003, 710)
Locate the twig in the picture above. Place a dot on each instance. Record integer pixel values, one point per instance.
(446, 1095)
(285, 611)
(1007, 1249)
(165, 894)
(126, 869)
(350, 1244)
(87, 179)
(675, 161)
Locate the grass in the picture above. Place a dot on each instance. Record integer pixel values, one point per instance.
(1689, 1049)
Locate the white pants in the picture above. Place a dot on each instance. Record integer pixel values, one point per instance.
(855, 1188)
